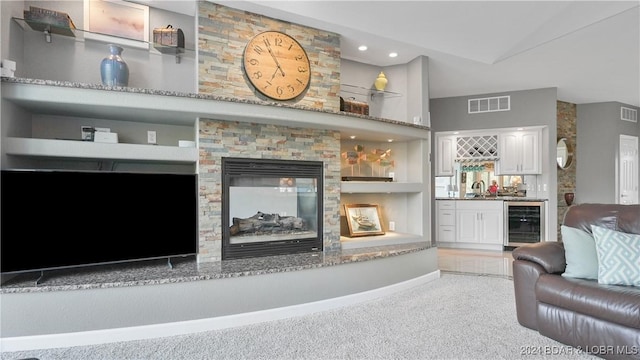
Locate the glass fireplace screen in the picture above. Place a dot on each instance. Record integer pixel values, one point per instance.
(271, 207)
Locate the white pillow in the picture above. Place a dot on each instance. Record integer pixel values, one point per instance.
(579, 253)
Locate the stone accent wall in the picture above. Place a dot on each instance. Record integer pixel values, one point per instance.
(566, 128)
(222, 35)
(220, 139)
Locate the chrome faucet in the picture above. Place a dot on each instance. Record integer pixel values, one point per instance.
(479, 185)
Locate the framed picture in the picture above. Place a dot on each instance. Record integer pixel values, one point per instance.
(118, 22)
(363, 219)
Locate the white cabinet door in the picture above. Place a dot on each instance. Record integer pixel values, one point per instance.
(445, 155)
(466, 225)
(479, 221)
(530, 152)
(491, 227)
(519, 153)
(509, 162)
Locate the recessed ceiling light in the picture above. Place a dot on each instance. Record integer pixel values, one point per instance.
(352, 137)
(362, 48)
(393, 54)
(389, 140)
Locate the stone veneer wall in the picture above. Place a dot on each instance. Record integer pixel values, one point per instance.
(566, 128)
(223, 33)
(222, 36)
(220, 139)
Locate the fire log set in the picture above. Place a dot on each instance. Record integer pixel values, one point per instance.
(262, 223)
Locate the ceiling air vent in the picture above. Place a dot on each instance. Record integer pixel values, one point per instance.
(490, 104)
(628, 114)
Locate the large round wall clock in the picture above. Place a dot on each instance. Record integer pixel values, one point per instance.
(276, 65)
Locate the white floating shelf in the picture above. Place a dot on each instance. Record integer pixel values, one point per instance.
(93, 150)
(390, 238)
(364, 187)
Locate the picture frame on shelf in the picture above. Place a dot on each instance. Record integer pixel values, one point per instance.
(117, 22)
(363, 219)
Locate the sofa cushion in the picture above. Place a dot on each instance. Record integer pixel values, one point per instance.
(618, 257)
(580, 253)
(614, 303)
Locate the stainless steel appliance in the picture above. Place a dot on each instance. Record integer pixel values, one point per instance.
(524, 222)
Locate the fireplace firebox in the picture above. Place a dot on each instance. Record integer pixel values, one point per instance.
(271, 207)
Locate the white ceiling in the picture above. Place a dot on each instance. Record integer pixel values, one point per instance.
(589, 50)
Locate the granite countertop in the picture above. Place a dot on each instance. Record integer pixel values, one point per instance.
(78, 85)
(153, 272)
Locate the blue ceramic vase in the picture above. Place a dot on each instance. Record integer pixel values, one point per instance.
(113, 69)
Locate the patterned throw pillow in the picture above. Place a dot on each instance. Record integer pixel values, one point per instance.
(618, 257)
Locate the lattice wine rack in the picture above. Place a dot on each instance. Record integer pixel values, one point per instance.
(477, 147)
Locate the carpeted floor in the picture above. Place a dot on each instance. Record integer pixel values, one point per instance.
(455, 317)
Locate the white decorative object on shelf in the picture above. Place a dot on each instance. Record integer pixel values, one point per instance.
(8, 68)
(105, 137)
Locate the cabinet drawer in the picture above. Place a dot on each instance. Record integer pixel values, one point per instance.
(446, 204)
(447, 217)
(446, 233)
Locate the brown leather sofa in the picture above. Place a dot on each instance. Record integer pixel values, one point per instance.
(603, 320)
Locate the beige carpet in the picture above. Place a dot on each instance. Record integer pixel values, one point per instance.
(454, 317)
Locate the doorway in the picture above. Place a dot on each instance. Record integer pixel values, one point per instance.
(628, 170)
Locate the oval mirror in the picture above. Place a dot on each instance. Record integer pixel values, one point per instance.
(564, 153)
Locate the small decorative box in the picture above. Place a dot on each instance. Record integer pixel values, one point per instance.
(168, 40)
(353, 106)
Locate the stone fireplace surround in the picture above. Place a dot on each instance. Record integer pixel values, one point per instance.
(220, 139)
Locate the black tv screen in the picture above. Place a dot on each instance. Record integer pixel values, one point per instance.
(58, 219)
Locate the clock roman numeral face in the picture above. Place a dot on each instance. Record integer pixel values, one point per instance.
(276, 65)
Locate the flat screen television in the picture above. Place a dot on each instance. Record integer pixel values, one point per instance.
(60, 219)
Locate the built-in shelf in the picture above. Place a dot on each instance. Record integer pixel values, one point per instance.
(162, 107)
(72, 149)
(369, 92)
(49, 30)
(364, 187)
(390, 238)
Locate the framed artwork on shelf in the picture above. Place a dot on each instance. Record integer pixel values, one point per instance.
(363, 219)
(117, 22)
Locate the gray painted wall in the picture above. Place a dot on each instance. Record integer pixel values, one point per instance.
(598, 138)
(418, 89)
(535, 107)
(528, 108)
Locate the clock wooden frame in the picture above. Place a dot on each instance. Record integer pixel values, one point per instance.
(277, 65)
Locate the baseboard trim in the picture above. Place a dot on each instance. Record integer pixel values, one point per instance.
(96, 337)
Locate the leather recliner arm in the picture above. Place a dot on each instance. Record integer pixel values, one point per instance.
(548, 254)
